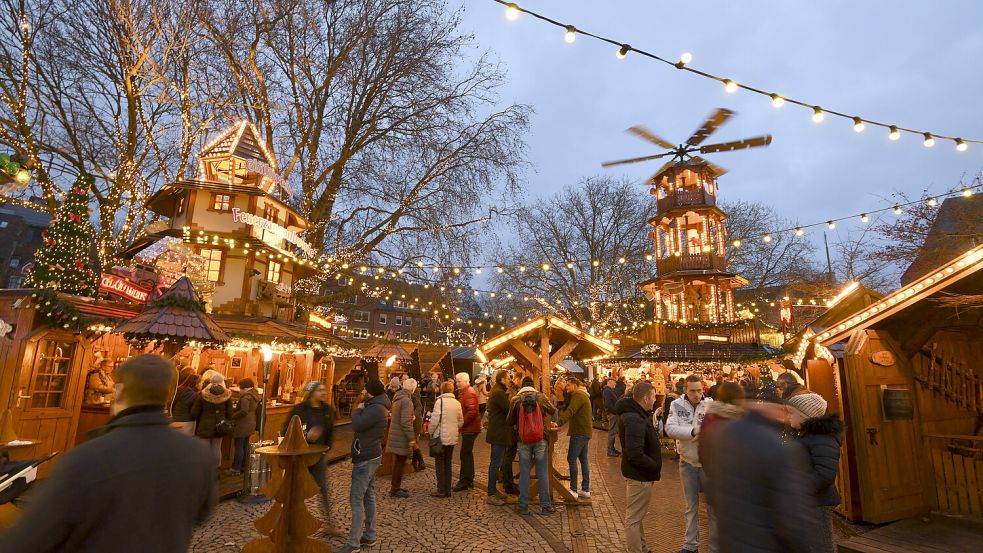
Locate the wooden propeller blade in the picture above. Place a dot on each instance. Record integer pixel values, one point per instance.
(634, 160)
(711, 125)
(650, 136)
(755, 142)
(717, 170)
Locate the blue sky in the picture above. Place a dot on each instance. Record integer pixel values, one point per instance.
(912, 63)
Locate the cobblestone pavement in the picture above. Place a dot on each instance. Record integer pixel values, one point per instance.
(464, 523)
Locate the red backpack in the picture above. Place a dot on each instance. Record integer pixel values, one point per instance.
(530, 420)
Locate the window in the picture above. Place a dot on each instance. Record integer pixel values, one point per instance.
(213, 264)
(339, 330)
(14, 262)
(273, 214)
(15, 281)
(3, 224)
(52, 368)
(360, 333)
(399, 320)
(222, 202)
(383, 318)
(179, 209)
(361, 316)
(352, 299)
(273, 271)
(408, 321)
(399, 304)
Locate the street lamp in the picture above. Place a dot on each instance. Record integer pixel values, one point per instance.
(267, 358)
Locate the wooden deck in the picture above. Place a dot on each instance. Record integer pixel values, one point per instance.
(935, 534)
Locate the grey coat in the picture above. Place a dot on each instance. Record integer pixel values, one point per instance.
(401, 431)
(245, 413)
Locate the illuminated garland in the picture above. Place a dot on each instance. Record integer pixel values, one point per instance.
(63, 314)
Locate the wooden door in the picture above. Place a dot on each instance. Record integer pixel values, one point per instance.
(46, 403)
(886, 451)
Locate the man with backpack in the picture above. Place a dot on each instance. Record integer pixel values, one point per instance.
(527, 413)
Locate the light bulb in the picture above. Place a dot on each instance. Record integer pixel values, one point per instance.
(501, 270)
(737, 243)
(858, 124)
(595, 263)
(546, 266)
(570, 35)
(777, 101)
(621, 260)
(864, 218)
(22, 176)
(932, 202)
(730, 86)
(967, 192)
(817, 114)
(766, 238)
(960, 145)
(929, 141)
(894, 134)
(569, 265)
(512, 12)
(623, 51)
(897, 210)
(831, 225)
(799, 231)
(685, 58)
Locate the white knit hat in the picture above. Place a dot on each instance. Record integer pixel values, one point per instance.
(811, 405)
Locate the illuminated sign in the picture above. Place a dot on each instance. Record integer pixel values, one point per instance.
(274, 232)
(712, 338)
(124, 288)
(320, 321)
(264, 169)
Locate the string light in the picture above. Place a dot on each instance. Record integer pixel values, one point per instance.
(766, 238)
(897, 210)
(737, 243)
(685, 58)
(894, 134)
(777, 101)
(932, 202)
(570, 35)
(799, 231)
(858, 124)
(961, 145)
(730, 86)
(929, 141)
(967, 192)
(511, 12)
(623, 51)
(817, 114)
(864, 218)
(831, 225)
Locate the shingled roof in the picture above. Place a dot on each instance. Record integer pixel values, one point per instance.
(172, 317)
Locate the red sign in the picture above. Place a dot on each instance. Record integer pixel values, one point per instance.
(123, 288)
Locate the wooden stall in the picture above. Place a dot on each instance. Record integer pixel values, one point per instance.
(911, 394)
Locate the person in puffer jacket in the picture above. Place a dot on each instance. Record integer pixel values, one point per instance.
(212, 406)
(685, 417)
(822, 437)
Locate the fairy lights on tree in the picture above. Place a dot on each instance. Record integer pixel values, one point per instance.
(62, 262)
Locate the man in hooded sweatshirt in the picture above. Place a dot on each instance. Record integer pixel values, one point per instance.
(317, 418)
(369, 424)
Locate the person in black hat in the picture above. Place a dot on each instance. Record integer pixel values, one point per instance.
(369, 425)
(317, 417)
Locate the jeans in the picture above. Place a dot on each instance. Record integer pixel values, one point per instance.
(527, 454)
(241, 453)
(467, 459)
(497, 455)
(510, 452)
(442, 465)
(612, 432)
(319, 471)
(578, 451)
(694, 482)
(637, 498)
(361, 497)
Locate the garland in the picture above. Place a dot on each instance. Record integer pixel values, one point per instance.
(181, 302)
(60, 313)
(320, 345)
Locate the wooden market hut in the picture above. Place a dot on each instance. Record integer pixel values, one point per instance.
(433, 359)
(386, 358)
(463, 359)
(909, 387)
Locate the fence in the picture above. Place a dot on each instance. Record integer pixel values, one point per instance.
(957, 466)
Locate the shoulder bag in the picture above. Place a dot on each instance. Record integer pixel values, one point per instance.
(436, 446)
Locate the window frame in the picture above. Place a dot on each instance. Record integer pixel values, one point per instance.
(229, 203)
(383, 318)
(221, 264)
(274, 271)
(44, 347)
(360, 333)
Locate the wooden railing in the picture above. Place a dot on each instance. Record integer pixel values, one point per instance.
(691, 262)
(957, 466)
(685, 198)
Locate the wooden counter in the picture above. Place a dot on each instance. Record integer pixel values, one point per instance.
(275, 417)
(90, 417)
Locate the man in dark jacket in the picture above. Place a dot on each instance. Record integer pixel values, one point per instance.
(317, 418)
(641, 464)
(369, 424)
(499, 434)
(469, 431)
(610, 395)
(595, 398)
(109, 493)
(759, 488)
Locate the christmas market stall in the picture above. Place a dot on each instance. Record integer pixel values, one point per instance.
(910, 390)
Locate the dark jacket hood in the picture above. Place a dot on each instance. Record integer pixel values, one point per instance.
(627, 405)
(381, 399)
(825, 425)
(216, 393)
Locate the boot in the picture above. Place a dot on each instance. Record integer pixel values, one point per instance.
(328, 528)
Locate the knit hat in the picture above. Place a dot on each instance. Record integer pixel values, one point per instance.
(374, 387)
(811, 405)
(217, 378)
(309, 389)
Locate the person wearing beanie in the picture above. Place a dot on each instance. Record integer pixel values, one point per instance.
(245, 418)
(369, 426)
(212, 407)
(822, 437)
(317, 418)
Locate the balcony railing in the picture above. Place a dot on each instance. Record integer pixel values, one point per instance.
(691, 262)
(686, 198)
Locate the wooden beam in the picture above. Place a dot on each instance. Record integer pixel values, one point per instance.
(527, 353)
(519, 361)
(562, 352)
(544, 364)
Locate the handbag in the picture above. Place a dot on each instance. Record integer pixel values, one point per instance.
(436, 446)
(224, 427)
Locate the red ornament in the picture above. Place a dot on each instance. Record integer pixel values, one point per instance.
(79, 265)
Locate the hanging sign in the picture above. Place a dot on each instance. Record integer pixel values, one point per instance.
(264, 169)
(274, 232)
(124, 288)
(5, 328)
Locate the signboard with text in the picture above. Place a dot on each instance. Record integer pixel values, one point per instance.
(274, 232)
(124, 288)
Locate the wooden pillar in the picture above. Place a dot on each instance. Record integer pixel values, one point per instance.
(544, 354)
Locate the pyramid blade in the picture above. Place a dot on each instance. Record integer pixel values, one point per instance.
(634, 160)
(755, 142)
(650, 136)
(713, 123)
(717, 170)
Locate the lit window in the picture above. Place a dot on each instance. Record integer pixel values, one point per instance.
(52, 371)
(360, 333)
(223, 202)
(399, 305)
(383, 318)
(273, 271)
(213, 264)
(3, 224)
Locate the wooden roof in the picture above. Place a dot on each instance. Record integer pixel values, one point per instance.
(161, 321)
(386, 348)
(277, 329)
(431, 356)
(560, 332)
(942, 278)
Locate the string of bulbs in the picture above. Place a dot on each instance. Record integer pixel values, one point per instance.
(513, 10)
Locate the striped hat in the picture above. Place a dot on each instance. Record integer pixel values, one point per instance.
(811, 405)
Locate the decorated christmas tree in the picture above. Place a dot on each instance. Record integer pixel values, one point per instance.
(62, 261)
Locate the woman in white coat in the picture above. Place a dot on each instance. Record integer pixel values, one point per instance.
(445, 422)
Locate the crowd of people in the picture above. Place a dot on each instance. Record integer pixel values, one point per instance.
(765, 459)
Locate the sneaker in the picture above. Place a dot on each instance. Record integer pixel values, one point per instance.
(399, 493)
(573, 492)
(494, 500)
(584, 494)
(367, 542)
(350, 549)
(548, 510)
(522, 510)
